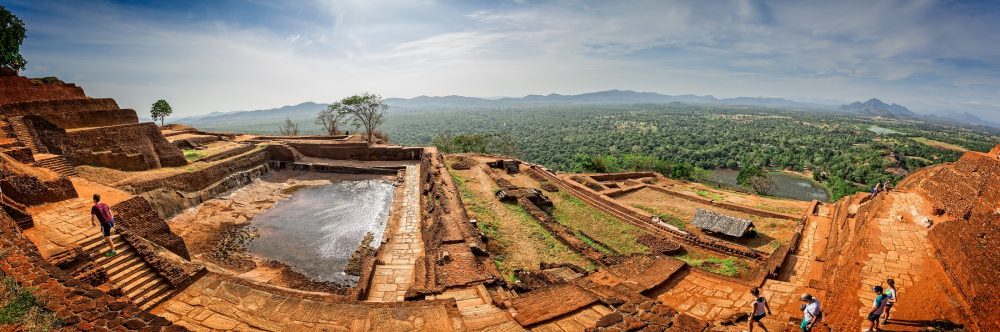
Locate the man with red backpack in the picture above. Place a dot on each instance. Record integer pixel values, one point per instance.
(102, 212)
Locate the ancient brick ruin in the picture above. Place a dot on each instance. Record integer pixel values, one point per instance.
(182, 233)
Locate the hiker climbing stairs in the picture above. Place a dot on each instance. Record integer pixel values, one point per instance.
(56, 163)
(126, 271)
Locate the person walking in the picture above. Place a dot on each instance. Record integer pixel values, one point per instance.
(875, 189)
(758, 309)
(811, 312)
(890, 294)
(878, 307)
(102, 213)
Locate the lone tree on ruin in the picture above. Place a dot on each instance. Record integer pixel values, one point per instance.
(11, 36)
(161, 110)
(331, 117)
(289, 128)
(366, 110)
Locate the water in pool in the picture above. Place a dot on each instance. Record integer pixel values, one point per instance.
(318, 228)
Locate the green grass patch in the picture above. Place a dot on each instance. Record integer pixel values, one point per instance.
(19, 307)
(593, 244)
(192, 155)
(709, 195)
(666, 217)
(548, 248)
(730, 267)
(577, 215)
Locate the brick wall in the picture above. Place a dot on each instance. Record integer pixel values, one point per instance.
(134, 147)
(202, 179)
(79, 306)
(138, 216)
(17, 89)
(74, 113)
(357, 151)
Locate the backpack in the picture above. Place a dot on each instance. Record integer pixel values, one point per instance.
(105, 212)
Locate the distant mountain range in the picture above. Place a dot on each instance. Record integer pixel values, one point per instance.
(873, 107)
(609, 97)
(876, 108)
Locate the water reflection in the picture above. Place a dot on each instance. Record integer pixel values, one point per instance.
(785, 185)
(318, 228)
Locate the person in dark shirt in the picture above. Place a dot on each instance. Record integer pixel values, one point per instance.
(102, 213)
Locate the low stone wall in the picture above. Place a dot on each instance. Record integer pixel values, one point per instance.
(243, 148)
(15, 89)
(139, 217)
(357, 151)
(724, 205)
(77, 305)
(202, 179)
(622, 176)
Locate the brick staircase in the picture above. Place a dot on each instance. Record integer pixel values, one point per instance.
(56, 163)
(21, 133)
(126, 271)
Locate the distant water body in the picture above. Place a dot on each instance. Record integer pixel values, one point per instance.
(786, 185)
(316, 230)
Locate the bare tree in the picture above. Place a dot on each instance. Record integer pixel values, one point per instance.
(367, 111)
(331, 117)
(289, 128)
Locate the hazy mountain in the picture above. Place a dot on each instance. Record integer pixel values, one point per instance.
(875, 107)
(609, 97)
(305, 110)
(965, 118)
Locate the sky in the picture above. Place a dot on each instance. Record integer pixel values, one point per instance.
(931, 56)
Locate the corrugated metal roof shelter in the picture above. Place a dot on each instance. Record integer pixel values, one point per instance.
(719, 223)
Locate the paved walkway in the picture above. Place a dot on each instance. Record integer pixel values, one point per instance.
(906, 246)
(394, 272)
(216, 304)
(60, 225)
(705, 297)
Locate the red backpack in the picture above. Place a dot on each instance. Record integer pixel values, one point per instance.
(105, 212)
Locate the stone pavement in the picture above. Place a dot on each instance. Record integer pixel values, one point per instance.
(906, 246)
(706, 297)
(478, 310)
(214, 303)
(60, 225)
(395, 262)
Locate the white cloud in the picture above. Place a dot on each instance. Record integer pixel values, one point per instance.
(821, 50)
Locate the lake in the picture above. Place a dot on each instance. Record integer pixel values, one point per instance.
(785, 185)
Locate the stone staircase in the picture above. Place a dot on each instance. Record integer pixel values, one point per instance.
(21, 133)
(126, 271)
(56, 163)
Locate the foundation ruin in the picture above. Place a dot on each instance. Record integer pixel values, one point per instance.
(470, 242)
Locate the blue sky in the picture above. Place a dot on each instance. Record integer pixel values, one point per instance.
(239, 55)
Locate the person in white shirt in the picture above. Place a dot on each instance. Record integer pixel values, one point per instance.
(758, 309)
(811, 312)
(891, 294)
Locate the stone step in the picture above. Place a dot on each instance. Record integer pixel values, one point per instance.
(156, 299)
(148, 293)
(113, 261)
(126, 272)
(142, 277)
(121, 266)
